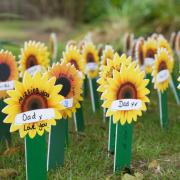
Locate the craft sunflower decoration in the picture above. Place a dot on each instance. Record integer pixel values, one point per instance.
(133, 50)
(107, 53)
(71, 43)
(68, 76)
(149, 49)
(8, 72)
(100, 50)
(34, 57)
(162, 69)
(34, 93)
(107, 71)
(173, 40)
(91, 60)
(139, 56)
(128, 41)
(177, 45)
(127, 85)
(73, 56)
(53, 45)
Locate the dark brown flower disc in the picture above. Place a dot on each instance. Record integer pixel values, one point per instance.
(31, 61)
(90, 58)
(162, 66)
(4, 72)
(73, 62)
(150, 53)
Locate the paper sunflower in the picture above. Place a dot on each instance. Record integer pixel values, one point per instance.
(73, 56)
(107, 71)
(150, 49)
(69, 78)
(91, 60)
(162, 69)
(34, 93)
(71, 43)
(133, 50)
(34, 57)
(173, 40)
(177, 45)
(8, 70)
(107, 53)
(139, 56)
(128, 41)
(53, 45)
(128, 84)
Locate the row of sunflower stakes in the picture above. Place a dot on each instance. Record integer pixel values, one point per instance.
(40, 97)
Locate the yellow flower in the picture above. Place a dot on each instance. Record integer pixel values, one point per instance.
(8, 69)
(178, 43)
(149, 49)
(129, 83)
(107, 53)
(173, 40)
(128, 41)
(91, 60)
(107, 70)
(53, 45)
(33, 54)
(73, 56)
(34, 93)
(68, 76)
(162, 69)
(71, 43)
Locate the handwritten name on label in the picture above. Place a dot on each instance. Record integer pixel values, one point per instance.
(32, 70)
(8, 85)
(34, 116)
(67, 103)
(126, 104)
(91, 67)
(162, 76)
(149, 61)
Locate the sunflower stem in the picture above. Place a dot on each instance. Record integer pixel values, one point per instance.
(149, 86)
(35, 152)
(163, 109)
(123, 143)
(85, 87)
(112, 133)
(79, 119)
(4, 128)
(56, 144)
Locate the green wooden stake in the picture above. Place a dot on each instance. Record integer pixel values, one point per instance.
(94, 94)
(67, 132)
(56, 145)
(85, 87)
(36, 159)
(112, 134)
(173, 84)
(149, 86)
(163, 109)
(123, 143)
(4, 128)
(79, 119)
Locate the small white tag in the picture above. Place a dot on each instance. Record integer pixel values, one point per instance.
(162, 76)
(67, 103)
(32, 70)
(8, 85)
(126, 104)
(148, 61)
(91, 67)
(34, 116)
(142, 67)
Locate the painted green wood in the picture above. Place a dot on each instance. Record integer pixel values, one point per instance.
(4, 127)
(163, 109)
(85, 87)
(123, 143)
(36, 157)
(149, 86)
(56, 144)
(112, 134)
(67, 132)
(79, 119)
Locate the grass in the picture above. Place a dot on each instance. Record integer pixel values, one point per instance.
(87, 157)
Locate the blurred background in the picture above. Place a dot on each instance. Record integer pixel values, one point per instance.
(107, 20)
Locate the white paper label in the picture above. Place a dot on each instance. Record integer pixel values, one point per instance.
(162, 76)
(32, 70)
(67, 103)
(34, 116)
(8, 85)
(91, 67)
(126, 104)
(149, 61)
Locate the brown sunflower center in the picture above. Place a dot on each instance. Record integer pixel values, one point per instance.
(31, 61)
(141, 57)
(74, 62)
(90, 58)
(128, 41)
(127, 91)
(66, 85)
(4, 72)
(150, 53)
(33, 102)
(162, 66)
